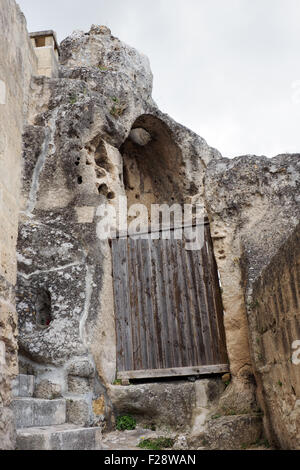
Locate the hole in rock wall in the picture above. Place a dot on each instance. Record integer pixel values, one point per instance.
(43, 309)
(97, 150)
(154, 172)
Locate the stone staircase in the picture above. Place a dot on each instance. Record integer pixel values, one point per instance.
(41, 424)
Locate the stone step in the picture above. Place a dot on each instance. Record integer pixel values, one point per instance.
(31, 412)
(63, 437)
(234, 432)
(23, 386)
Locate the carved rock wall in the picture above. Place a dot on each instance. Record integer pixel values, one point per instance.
(17, 64)
(254, 207)
(73, 163)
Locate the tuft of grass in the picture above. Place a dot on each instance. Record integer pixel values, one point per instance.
(126, 423)
(73, 99)
(158, 443)
(102, 68)
(117, 382)
(151, 426)
(117, 110)
(265, 443)
(262, 443)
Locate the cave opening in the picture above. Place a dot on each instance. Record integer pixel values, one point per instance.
(153, 167)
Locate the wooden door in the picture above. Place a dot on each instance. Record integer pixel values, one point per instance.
(168, 308)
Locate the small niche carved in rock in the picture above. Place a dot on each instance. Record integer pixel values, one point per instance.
(79, 180)
(43, 309)
(103, 189)
(111, 195)
(101, 157)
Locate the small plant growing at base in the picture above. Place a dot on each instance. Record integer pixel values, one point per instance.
(126, 423)
(73, 99)
(158, 443)
(117, 382)
(262, 443)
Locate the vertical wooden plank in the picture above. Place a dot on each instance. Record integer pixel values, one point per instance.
(198, 273)
(199, 312)
(118, 306)
(144, 314)
(174, 301)
(134, 304)
(170, 300)
(125, 304)
(156, 314)
(145, 273)
(161, 319)
(167, 294)
(139, 304)
(182, 307)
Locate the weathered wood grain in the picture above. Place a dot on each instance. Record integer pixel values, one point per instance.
(168, 306)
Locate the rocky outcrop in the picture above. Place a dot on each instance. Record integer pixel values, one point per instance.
(79, 152)
(254, 208)
(17, 64)
(273, 309)
(94, 134)
(181, 406)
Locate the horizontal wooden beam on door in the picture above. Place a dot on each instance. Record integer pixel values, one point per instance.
(175, 372)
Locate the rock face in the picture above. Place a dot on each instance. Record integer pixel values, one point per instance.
(274, 324)
(180, 406)
(17, 64)
(233, 432)
(79, 152)
(94, 134)
(254, 207)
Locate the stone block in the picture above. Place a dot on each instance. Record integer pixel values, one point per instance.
(31, 412)
(78, 411)
(82, 368)
(23, 386)
(63, 437)
(233, 432)
(78, 385)
(47, 390)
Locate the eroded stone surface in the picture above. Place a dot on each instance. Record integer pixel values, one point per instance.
(62, 437)
(47, 390)
(78, 149)
(233, 432)
(174, 405)
(273, 309)
(17, 64)
(95, 134)
(254, 207)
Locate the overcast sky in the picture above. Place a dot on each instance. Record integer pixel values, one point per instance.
(227, 69)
